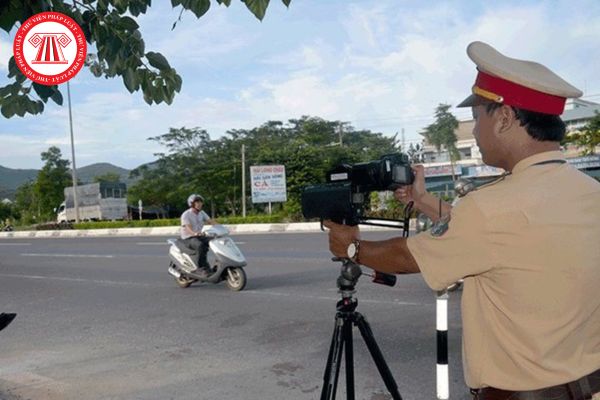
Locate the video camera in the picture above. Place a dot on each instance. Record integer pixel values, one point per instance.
(342, 198)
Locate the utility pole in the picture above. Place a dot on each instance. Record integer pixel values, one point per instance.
(340, 132)
(73, 157)
(403, 142)
(234, 187)
(244, 180)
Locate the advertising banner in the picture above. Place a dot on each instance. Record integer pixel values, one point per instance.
(268, 183)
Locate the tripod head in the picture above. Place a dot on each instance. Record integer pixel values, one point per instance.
(351, 271)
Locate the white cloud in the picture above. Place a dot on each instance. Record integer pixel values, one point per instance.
(381, 66)
(5, 52)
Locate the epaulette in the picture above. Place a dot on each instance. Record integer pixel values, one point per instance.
(495, 181)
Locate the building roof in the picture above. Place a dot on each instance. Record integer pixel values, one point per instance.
(580, 112)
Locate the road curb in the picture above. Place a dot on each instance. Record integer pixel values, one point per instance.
(298, 227)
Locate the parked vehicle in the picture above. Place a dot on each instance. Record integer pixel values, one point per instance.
(225, 258)
(97, 201)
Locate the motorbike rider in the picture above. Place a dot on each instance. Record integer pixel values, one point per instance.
(192, 221)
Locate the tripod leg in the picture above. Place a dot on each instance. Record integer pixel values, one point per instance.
(332, 371)
(382, 366)
(349, 355)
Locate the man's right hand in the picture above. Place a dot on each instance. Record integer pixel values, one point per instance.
(413, 192)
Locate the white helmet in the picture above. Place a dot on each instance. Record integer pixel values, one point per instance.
(193, 198)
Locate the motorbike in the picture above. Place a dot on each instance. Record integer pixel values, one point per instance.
(225, 258)
(7, 228)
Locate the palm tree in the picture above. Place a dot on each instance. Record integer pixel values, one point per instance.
(442, 133)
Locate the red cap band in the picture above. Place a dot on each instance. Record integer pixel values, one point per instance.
(519, 96)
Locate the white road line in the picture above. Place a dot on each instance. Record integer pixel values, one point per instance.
(15, 244)
(165, 243)
(60, 278)
(311, 297)
(67, 255)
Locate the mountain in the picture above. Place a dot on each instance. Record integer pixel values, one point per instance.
(88, 173)
(11, 179)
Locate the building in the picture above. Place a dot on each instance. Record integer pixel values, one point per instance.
(578, 112)
(439, 172)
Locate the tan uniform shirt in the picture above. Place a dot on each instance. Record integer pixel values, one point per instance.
(528, 247)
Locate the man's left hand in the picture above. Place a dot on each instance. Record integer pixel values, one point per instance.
(340, 236)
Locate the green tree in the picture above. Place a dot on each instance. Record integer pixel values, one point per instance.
(588, 138)
(25, 203)
(308, 147)
(48, 189)
(110, 26)
(442, 133)
(415, 153)
(8, 213)
(107, 177)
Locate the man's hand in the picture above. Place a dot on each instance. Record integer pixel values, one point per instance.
(413, 192)
(340, 236)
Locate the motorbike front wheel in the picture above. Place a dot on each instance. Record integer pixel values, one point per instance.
(183, 282)
(235, 278)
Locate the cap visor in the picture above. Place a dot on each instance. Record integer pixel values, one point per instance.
(468, 102)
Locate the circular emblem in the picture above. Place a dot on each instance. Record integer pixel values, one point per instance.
(50, 48)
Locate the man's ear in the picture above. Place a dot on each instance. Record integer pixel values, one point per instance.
(505, 117)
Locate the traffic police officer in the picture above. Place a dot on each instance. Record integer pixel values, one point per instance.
(526, 245)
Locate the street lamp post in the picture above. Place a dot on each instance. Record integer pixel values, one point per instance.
(73, 156)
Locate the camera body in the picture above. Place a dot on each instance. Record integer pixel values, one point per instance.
(343, 197)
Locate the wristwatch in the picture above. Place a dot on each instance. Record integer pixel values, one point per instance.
(352, 250)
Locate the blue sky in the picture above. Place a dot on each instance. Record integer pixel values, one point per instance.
(382, 65)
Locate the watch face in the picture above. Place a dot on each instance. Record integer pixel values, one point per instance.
(351, 250)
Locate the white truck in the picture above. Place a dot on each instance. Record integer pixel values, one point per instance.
(97, 201)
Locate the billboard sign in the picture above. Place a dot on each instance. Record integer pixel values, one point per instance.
(268, 183)
(442, 170)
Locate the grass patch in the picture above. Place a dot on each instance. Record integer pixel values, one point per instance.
(149, 223)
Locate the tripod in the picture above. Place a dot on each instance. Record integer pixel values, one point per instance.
(345, 317)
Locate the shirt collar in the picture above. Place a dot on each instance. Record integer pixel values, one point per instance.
(536, 158)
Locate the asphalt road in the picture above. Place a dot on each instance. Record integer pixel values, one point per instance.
(101, 319)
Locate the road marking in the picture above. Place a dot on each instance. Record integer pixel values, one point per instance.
(67, 255)
(15, 244)
(99, 281)
(166, 244)
(328, 298)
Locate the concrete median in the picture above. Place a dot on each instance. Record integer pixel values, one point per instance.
(174, 231)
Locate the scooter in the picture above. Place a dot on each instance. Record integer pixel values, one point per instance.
(7, 228)
(226, 260)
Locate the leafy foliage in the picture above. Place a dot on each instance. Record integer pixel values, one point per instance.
(415, 153)
(37, 199)
(588, 138)
(149, 223)
(48, 189)
(441, 133)
(193, 163)
(110, 25)
(8, 213)
(107, 177)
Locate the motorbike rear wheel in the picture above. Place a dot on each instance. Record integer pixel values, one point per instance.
(235, 278)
